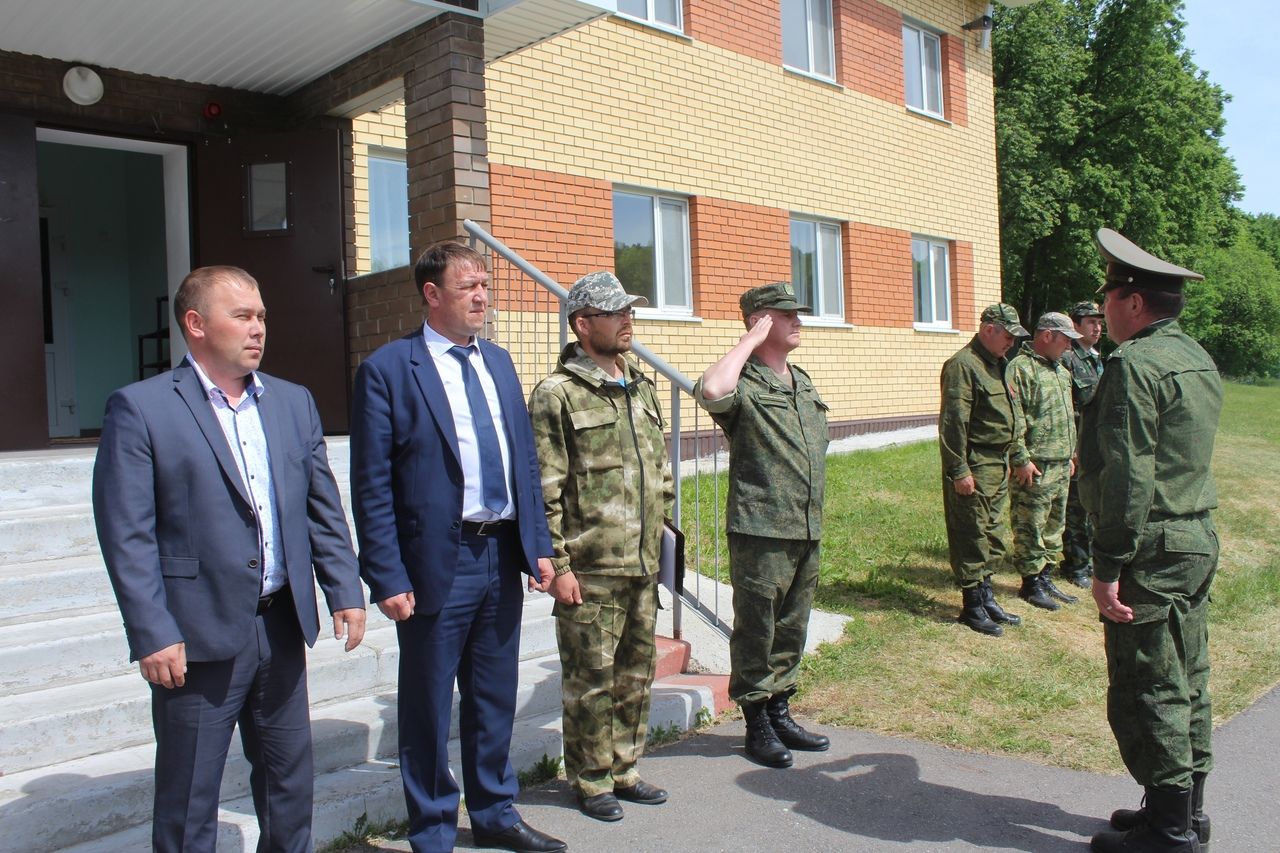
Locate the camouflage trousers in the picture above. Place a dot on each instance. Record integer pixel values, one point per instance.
(1158, 664)
(607, 655)
(1077, 536)
(1037, 514)
(774, 581)
(975, 523)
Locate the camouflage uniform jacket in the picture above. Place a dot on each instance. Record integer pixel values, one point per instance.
(978, 418)
(777, 452)
(1043, 390)
(1147, 443)
(1086, 370)
(605, 478)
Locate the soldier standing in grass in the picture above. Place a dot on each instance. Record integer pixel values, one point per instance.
(1042, 458)
(607, 486)
(1085, 364)
(976, 427)
(776, 425)
(1147, 443)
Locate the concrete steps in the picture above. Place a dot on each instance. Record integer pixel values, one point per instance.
(76, 749)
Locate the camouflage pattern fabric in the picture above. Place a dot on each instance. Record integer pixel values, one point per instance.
(1037, 514)
(1077, 535)
(605, 478)
(774, 581)
(976, 426)
(778, 441)
(1046, 427)
(976, 532)
(1145, 452)
(607, 655)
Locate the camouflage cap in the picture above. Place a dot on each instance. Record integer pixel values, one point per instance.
(601, 291)
(1006, 317)
(777, 295)
(1054, 321)
(1128, 265)
(1084, 309)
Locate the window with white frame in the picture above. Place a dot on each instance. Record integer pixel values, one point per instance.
(815, 266)
(931, 272)
(388, 209)
(922, 55)
(651, 248)
(808, 41)
(664, 13)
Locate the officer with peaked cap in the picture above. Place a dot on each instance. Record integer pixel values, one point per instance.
(1147, 440)
(1084, 363)
(976, 427)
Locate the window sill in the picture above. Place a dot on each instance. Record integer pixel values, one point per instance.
(931, 116)
(934, 330)
(824, 322)
(655, 25)
(657, 314)
(809, 75)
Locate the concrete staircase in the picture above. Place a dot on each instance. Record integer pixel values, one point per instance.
(76, 749)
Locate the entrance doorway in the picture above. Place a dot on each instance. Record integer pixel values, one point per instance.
(115, 244)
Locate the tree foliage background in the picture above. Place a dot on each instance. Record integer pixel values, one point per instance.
(1103, 119)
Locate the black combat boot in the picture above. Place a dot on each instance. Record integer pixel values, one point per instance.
(995, 611)
(974, 613)
(1035, 593)
(792, 735)
(1126, 819)
(1165, 829)
(763, 745)
(1082, 578)
(1046, 576)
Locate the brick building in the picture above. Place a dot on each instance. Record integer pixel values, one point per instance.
(700, 147)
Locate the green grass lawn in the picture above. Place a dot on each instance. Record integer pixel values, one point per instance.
(905, 667)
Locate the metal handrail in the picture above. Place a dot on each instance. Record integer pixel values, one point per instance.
(679, 383)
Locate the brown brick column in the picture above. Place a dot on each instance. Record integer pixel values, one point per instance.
(446, 139)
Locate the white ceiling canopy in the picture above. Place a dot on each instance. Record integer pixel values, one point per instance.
(270, 46)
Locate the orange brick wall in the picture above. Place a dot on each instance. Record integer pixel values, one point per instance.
(953, 81)
(735, 246)
(877, 271)
(869, 49)
(561, 224)
(963, 312)
(749, 27)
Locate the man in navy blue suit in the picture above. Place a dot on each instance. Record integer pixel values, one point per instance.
(215, 504)
(448, 507)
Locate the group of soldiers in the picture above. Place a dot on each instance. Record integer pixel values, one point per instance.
(1118, 455)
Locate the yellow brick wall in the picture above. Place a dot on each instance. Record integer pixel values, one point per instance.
(381, 129)
(620, 102)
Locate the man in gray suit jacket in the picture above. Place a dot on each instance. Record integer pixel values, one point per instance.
(216, 512)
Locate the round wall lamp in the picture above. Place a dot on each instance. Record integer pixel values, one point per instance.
(82, 85)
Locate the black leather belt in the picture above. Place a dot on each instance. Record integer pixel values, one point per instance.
(265, 602)
(489, 528)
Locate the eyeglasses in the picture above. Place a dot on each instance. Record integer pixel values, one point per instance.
(629, 313)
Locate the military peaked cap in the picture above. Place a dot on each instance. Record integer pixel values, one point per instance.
(1128, 265)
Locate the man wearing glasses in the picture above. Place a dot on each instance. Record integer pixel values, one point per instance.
(607, 486)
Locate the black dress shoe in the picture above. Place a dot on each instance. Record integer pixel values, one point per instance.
(642, 792)
(521, 838)
(601, 807)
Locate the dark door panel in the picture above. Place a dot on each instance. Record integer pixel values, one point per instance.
(24, 421)
(272, 204)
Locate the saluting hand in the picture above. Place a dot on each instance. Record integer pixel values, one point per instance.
(759, 330)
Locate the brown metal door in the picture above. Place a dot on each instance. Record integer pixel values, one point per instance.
(272, 204)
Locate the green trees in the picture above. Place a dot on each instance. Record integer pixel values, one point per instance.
(1103, 119)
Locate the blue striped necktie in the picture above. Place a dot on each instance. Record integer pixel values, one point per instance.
(493, 482)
